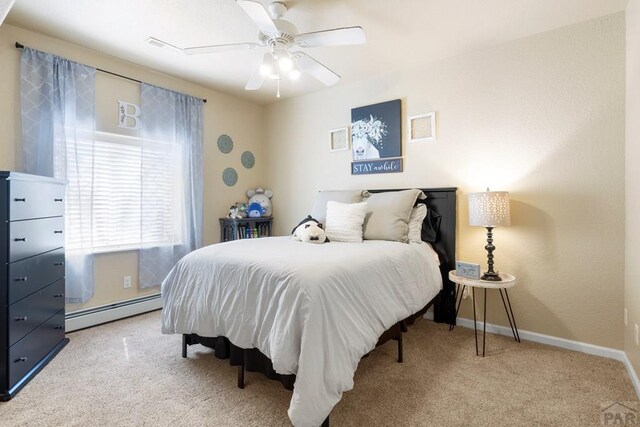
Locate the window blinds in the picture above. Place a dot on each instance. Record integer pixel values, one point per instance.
(116, 202)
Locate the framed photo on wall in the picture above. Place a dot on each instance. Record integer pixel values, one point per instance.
(339, 139)
(422, 127)
(376, 138)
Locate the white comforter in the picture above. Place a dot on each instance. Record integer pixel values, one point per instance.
(314, 310)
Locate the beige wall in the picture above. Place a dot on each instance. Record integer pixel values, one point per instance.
(632, 189)
(542, 118)
(240, 119)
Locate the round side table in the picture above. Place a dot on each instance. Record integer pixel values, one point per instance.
(507, 281)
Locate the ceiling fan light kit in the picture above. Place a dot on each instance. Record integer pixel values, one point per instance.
(281, 38)
(294, 74)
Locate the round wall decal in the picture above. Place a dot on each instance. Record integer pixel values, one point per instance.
(230, 176)
(247, 159)
(225, 144)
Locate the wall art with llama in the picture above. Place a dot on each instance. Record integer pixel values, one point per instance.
(376, 138)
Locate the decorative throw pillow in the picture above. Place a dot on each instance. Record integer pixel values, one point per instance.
(431, 226)
(319, 210)
(388, 215)
(418, 215)
(344, 221)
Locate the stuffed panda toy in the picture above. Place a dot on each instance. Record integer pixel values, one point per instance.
(310, 231)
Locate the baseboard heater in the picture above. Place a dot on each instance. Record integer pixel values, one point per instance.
(107, 313)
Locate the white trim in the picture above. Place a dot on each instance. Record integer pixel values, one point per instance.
(547, 339)
(582, 347)
(632, 374)
(110, 314)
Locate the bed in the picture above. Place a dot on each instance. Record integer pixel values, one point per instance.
(306, 314)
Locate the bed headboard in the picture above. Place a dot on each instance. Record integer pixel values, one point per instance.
(443, 201)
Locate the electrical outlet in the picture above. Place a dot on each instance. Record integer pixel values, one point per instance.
(625, 317)
(637, 331)
(127, 284)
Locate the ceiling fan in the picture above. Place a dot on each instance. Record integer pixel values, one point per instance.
(280, 38)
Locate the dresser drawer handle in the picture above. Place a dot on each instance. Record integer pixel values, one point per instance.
(58, 327)
(20, 359)
(21, 279)
(20, 239)
(19, 200)
(57, 232)
(58, 264)
(57, 200)
(21, 319)
(58, 295)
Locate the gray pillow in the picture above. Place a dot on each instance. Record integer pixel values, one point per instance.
(319, 210)
(388, 215)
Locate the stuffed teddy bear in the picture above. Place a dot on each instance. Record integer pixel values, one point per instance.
(261, 197)
(310, 231)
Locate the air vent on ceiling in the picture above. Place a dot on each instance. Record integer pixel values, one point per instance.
(159, 43)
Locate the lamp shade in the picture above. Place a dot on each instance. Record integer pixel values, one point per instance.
(489, 209)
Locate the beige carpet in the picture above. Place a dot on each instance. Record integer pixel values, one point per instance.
(127, 373)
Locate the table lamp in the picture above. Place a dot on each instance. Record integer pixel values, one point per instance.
(489, 209)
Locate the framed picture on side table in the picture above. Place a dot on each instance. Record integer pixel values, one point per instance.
(468, 270)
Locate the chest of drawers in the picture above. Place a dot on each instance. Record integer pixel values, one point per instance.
(32, 278)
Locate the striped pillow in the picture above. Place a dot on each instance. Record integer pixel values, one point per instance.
(344, 221)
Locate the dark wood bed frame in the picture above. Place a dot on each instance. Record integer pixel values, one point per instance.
(442, 201)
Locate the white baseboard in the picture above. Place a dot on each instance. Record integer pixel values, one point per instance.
(632, 374)
(109, 313)
(556, 342)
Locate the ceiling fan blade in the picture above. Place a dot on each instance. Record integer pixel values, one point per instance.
(334, 37)
(316, 69)
(198, 50)
(256, 80)
(259, 15)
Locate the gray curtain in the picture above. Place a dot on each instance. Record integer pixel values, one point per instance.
(171, 158)
(58, 125)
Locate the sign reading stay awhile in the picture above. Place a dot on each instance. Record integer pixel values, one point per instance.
(376, 166)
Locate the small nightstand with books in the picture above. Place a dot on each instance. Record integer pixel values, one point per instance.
(244, 228)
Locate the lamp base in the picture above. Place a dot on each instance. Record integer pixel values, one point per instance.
(491, 276)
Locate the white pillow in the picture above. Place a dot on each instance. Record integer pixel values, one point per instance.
(418, 214)
(319, 210)
(344, 221)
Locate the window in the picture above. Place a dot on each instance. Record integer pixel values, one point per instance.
(114, 163)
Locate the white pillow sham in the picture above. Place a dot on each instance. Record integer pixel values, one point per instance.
(418, 214)
(344, 221)
(319, 209)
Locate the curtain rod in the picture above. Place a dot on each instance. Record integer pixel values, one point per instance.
(21, 46)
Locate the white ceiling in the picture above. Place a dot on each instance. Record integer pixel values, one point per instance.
(400, 33)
